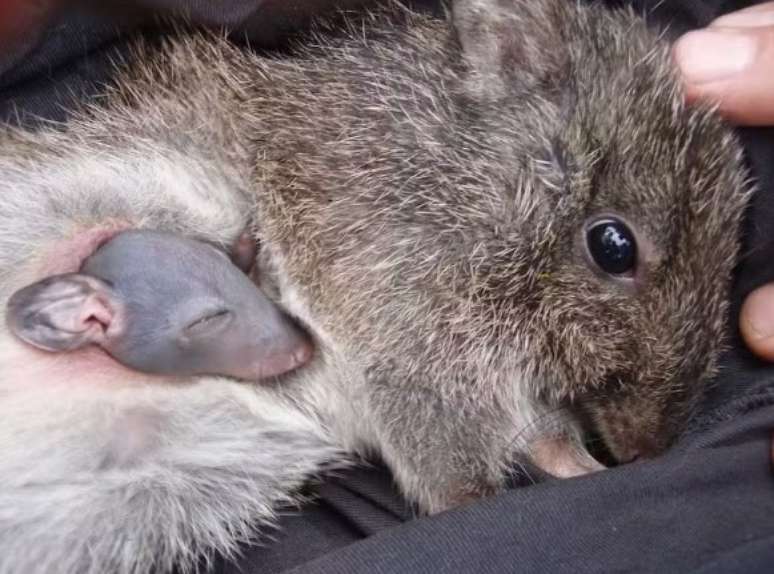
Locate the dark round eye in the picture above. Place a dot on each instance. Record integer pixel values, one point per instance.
(612, 246)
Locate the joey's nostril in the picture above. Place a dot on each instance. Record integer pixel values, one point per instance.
(303, 354)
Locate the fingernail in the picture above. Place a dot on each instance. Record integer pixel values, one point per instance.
(708, 55)
(758, 313)
(750, 18)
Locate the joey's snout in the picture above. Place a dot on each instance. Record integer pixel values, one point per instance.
(261, 342)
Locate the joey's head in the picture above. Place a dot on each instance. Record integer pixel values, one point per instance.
(608, 213)
(162, 304)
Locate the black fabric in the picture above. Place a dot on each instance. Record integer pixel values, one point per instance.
(75, 54)
(705, 508)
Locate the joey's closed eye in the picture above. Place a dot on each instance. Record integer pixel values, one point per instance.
(207, 324)
(612, 246)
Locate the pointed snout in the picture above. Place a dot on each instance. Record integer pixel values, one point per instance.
(267, 342)
(282, 356)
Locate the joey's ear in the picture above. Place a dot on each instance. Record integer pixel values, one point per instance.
(511, 40)
(63, 312)
(244, 252)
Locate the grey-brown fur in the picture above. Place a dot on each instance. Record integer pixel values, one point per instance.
(418, 191)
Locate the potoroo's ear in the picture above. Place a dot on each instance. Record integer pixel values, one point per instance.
(511, 41)
(63, 312)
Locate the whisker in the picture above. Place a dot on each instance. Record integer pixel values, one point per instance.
(555, 412)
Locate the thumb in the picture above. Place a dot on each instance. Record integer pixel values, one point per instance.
(731, 64)
(756, 322)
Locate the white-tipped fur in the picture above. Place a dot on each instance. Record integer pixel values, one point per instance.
(115, 472)
(143, 477)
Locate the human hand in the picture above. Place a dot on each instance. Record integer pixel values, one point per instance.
(731, 63)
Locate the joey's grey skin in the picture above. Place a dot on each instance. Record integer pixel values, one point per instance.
(162, 304)
(421, 191)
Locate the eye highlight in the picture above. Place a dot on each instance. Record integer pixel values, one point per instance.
(612, 246)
